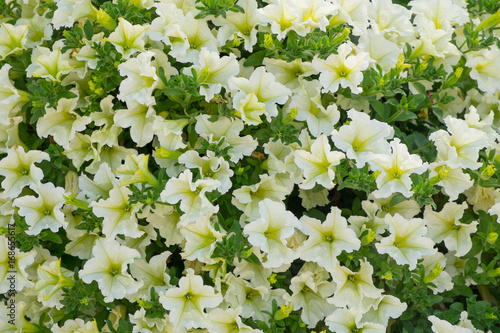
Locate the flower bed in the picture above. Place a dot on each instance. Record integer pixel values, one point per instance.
(252, 166)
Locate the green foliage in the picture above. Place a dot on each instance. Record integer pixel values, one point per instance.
(217, 8)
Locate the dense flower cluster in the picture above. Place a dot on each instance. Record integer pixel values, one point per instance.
(250, 166)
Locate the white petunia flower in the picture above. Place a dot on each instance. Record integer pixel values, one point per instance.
(353, 288)
(326, 240)
(139, 118)
(11, 99)
(108, 267)
(152, 274)
(350, 320)
(384, 52)
(18, 264)
(201, 239)
(228, 321)
(119, 215)
(260, 92)
(270, 231)
(389, 18)
(311, 15)
(39, 29)
(445, 226)
(76, 326)
(433, 266)
(128, 39)
(213, 71)
(165, 219)
(318, 165)
(191, 195)
(63, 123)
(307, 102)
(210, 167)
(43, 212)
(309, 294)
(247, 198)
(228, 130)
(406, 243)
(363, 137)
(485, 66)
(49, 64)
(69, 11)
(443, 13)
(12, 38)
(371, 222)
(387, 306)
(19, 170)
(453, 181)
(352, 12)
(396, 170)
(459, 147)
(187, 302)
(442, 326)
(238, 24)
(280, 14)
(290, 73)
(51, 279)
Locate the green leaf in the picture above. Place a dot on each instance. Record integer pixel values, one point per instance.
(88, 28)
(255, 59)
(49, 236)
(398, 198)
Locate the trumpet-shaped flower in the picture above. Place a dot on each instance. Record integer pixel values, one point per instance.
(442, 326)
(103, 182)
(213, 71)
(353, 287)
(69, 11)
(309, 294)
(151, 273)
(127, 38)
(387, 306)
(443, 13)
(51, 279)
(210, 167)
(228, 321)
(189, 37)
(453, 181)
(311, 15)
(228, 130)
(309, 108)
(352, 12)
(433, 267)
(63, 123)
(253, 299)
(76, 326)
(385, 53)
(318, 165)
(12, 38)
(43, 212)
(280, 14)
(187, 302)
(445, 226)
(135, 170)
(11, 259)
(270, 231)
(119, 215)
(387, 17)
(191, 194)
(290, 73)
(363, 137)
(370, 222)
(406, 243)
(326, 240)
(350, 320)
(485, 66)
(342, 69)
(242, 25)
(11, 99)
(39, 29)
(459, 147)
(9, 134)
(165, 219)
(201, 239)
(396, 170)
(259, 92)
(247, 198)
(49, 64)
(109, 268)
(19, 170)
